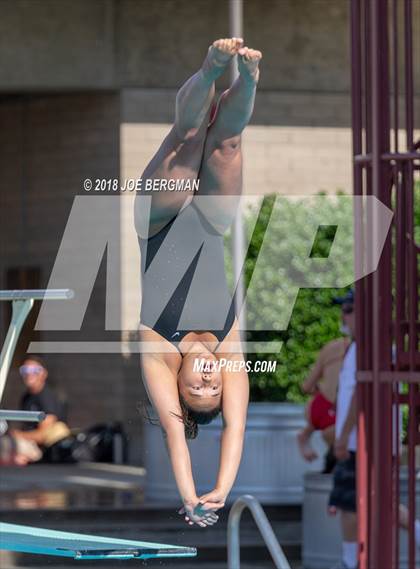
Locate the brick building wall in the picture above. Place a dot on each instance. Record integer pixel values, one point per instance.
(48, 145)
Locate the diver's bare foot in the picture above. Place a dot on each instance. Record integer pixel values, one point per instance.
(220, 54)
(305, 448)
(248, 60)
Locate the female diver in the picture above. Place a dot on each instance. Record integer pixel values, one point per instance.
(187, 309)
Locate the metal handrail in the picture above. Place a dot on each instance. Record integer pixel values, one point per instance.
(29, 416)
(250, 502)
(37, 294)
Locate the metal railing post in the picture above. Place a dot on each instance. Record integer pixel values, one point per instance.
(233, 541)
(22, 303)
(21, 309)
(236, 18)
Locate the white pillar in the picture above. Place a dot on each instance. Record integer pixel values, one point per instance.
(236, 30)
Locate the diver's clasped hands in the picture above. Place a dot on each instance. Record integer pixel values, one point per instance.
(198, 513)
(202, 510)
(215, 499)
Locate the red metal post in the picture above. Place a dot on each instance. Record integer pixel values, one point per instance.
(381, 459)
(362, 389)
(387, 302)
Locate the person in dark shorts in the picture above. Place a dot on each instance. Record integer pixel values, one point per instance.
(343, 494)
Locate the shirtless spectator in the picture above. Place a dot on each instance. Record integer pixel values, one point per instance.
(322, 383)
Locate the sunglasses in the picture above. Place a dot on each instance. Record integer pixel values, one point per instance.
(28, 370)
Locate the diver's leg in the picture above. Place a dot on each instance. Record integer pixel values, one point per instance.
(196, 95)
(237, 103)
(221, 169)
(180, 154)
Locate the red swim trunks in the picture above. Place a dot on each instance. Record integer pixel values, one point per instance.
(322, 412)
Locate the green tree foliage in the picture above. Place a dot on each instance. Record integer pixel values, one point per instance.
(314, 319)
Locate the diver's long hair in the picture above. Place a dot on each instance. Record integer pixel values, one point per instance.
(192, 418)
(189, 417)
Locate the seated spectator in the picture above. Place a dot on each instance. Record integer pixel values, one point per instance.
(39, 397)
(11, 453)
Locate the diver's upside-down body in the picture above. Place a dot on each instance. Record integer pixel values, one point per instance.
(187, 307)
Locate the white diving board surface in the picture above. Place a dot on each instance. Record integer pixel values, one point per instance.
(28, 539)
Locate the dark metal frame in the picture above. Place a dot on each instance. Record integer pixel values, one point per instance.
(387, 302)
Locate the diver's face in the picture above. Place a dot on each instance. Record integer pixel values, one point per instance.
(202, 390)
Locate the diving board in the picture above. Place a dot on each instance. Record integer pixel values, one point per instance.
(28, 539)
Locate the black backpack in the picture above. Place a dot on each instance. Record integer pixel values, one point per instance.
(105, 442)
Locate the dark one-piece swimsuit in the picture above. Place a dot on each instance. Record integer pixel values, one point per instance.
(184, 286)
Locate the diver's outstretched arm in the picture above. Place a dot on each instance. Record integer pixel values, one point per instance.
(161, 386)
(235, 406)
